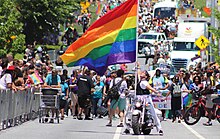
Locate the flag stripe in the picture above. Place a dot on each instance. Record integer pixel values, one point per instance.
(83, 51)
(102, 32)
(115, 48)
(110, 58)
(127, 7)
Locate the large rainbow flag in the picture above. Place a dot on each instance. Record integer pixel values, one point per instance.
(108, 41)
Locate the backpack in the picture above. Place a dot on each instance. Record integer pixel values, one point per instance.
(176, 90)
(114, 91)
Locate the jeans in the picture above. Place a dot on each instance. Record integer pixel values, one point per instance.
(152, 111)
(96, 102)
(176, 113)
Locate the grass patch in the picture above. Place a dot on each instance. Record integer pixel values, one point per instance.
(53, 47)
(200, 4)
(19, 56)
(92, 10)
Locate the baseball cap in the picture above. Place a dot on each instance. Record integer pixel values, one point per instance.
(11, 68)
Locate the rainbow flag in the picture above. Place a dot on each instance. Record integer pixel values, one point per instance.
(35, 78)
(187, 100)
(108, 41)
(98, 9)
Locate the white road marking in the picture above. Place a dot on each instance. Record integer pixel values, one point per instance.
(117, 133)
(193, 131)
(141, 137)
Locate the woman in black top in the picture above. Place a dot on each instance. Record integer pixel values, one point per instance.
(176, 101)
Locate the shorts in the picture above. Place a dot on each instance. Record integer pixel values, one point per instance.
(120, 103)
(209, 98)
(84, 101)
(62, 103)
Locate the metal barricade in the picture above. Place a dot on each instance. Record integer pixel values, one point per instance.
(18, 107)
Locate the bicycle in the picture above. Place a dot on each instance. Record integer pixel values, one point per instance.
(198, 109)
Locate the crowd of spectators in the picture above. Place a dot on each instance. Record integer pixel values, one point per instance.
(186, 4)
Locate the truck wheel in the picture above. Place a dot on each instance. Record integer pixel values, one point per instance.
(136, 125)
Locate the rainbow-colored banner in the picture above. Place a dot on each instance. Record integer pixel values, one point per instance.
(110, 40)
(98, 9)
(36, 79)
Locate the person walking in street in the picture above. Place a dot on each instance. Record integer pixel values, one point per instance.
(85, 85)
(121, 101)
(73, 94)
(97, 95)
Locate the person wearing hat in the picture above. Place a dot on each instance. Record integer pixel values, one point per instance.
(159, 82)
(6, 76)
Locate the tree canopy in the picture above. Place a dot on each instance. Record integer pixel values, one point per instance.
(41, 17)
(11, 36)
(216, 33)
(26, 21)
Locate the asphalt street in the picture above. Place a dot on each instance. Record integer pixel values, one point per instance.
(75, 129)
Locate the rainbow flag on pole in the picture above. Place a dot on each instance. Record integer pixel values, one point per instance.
(108, 41)
(98, 9)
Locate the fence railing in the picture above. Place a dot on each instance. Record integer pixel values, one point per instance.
(18, 107)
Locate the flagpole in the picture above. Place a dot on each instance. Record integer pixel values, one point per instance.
(136, 68)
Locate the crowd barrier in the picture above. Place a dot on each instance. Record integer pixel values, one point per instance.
(18, 107)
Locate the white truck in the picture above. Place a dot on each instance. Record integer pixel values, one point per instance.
(184, 48)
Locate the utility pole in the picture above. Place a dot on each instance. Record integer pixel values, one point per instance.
(218, 28)
(213, 2)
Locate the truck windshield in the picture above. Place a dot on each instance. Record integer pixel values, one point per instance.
(185, 46)
(148, 36)
(164, 12)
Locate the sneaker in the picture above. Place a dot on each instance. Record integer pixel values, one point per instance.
(79, 117)
(161, 132)
(100, 117)
(207, 123)
(74, 117)
(46, 119)
(62, 118)
(120, 125)
(51, 121)
(126, 131)
(88, 118)
(109, 124)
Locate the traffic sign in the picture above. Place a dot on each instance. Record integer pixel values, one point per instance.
(202, 42)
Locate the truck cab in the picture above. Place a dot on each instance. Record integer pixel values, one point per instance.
(184, 48)
(183, 53)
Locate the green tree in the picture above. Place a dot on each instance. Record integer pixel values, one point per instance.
(11, 37)
(42, 17)
(216, 33)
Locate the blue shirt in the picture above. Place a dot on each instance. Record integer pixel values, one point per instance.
(98, 90)
(52, 81)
